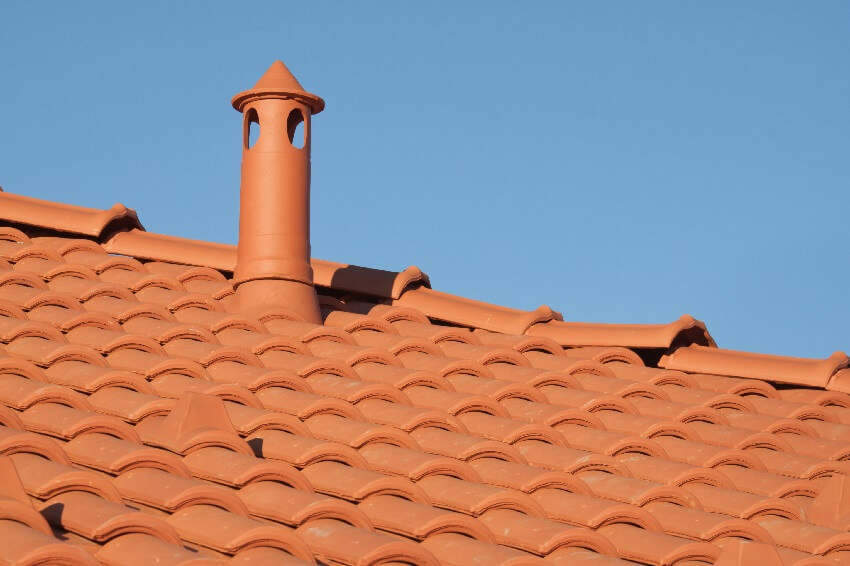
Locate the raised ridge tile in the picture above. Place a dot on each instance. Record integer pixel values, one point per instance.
(65, 217)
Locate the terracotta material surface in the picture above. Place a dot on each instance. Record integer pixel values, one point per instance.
(67, 217)
(151, 413)
(798, 371)
(273, 256)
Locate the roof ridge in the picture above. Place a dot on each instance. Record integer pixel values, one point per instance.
(411, 287)
(127, 236)
(687, 342)
(810, 372)
(81, 220)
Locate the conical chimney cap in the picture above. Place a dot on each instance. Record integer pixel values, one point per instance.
(278, 82)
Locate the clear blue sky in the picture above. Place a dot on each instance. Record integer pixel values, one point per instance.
(620, 162)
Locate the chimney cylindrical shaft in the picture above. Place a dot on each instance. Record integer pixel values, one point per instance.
(273, 256)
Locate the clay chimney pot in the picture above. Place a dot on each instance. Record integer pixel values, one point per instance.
(273, 256)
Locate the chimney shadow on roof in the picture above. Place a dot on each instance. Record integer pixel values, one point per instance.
(353, 277)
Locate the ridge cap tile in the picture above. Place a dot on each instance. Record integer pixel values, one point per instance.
(685, 330)
(783, 369)
(65, 217)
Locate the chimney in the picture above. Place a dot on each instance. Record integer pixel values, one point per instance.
(273, 257)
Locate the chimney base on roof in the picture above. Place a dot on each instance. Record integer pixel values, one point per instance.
(298, 298)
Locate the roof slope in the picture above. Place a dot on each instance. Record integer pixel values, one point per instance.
(143, 417)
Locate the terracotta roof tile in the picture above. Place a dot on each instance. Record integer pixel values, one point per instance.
(636, 544)
(265, 555)
(168, 492)
(21, 544)
(541, 536)
(417, 520)
(145, 415)
(100, 520)
(138, 549)
(215, 528)
(334, 540)
(414, 464)
(294, 506)
(113, 455)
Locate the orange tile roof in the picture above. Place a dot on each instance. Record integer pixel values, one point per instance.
(144, 418)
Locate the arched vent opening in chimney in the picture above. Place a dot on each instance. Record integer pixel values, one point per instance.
(295, 128)
(252, 128)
